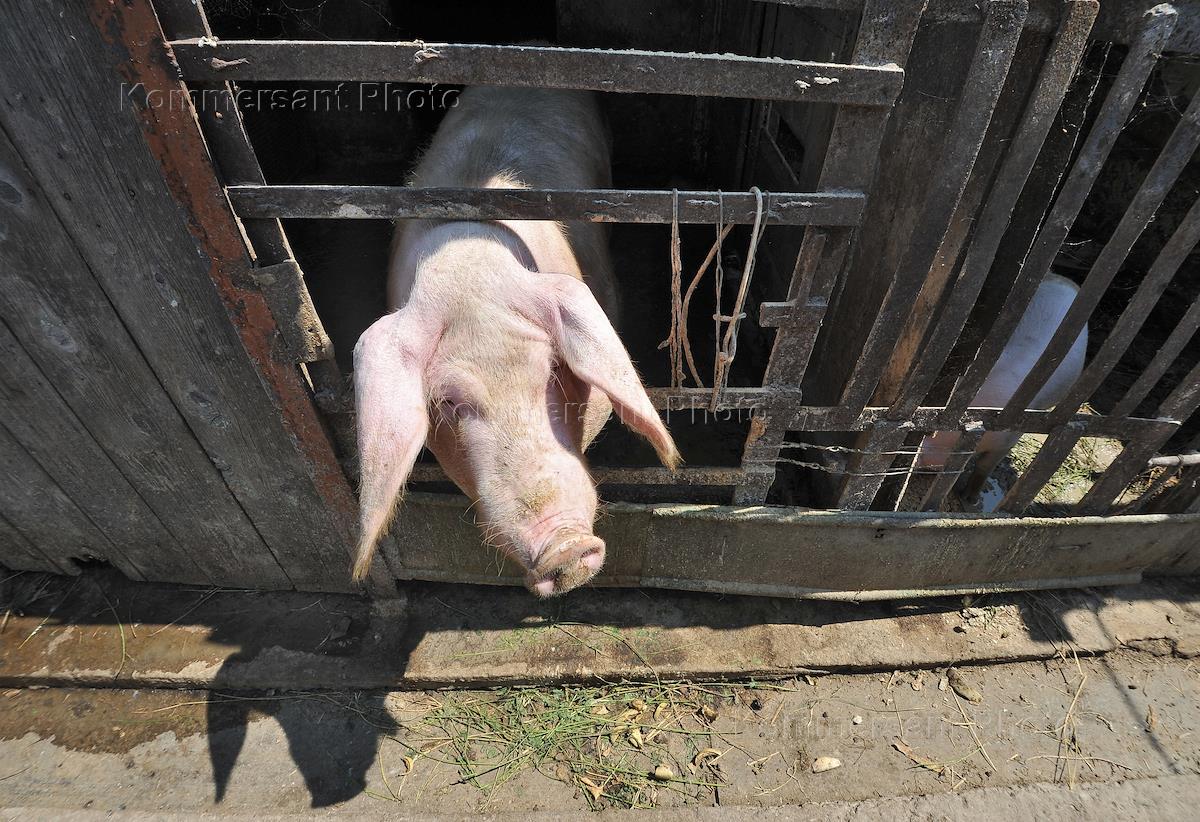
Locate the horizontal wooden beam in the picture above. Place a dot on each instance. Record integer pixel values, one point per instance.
(792, 552)
(690, 476)
(595, 205)
(615, 70)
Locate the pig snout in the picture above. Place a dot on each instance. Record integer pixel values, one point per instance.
(570, 559)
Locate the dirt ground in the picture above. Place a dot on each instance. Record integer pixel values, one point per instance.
(1127, 715)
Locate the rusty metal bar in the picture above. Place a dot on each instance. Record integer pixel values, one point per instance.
(1114, 113)
(616, 70)
(1162, 176)
(994, 52)
(1180, 405)
(885, 37)
(841, 208)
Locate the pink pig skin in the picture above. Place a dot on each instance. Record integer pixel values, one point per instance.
(499, 355)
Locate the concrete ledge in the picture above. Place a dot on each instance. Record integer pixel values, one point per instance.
(75, 631)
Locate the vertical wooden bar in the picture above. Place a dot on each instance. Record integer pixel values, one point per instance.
(1059, 444)
(1180, 405)
(1140, 61)
(885, 36)
(994, 51)
(1150, 195)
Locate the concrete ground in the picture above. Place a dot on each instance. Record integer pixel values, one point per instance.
(157, 700)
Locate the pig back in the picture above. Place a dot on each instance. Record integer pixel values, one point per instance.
(530, 138)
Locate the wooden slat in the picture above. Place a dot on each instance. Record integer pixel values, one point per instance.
(1055, 78)
(1163, 359)
(155, 475)
(37, 508)
(1162, 270)
(985, 81)
(1150, 195)
(1057, 72)
(754, 550)
(45, 426)
(18, 554)
(615, 70)
(885, 36)
(1180, 405)
(1049, 458)
(176, 303)
(688, 476)
(596, 205)
(1123, 95)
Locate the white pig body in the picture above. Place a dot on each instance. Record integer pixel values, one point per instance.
(1033, 333)
(498, 356)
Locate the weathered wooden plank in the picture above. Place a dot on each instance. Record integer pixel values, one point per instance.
(303, 335)
(994, 51)
(18, 554)
(45, 426)
(1114, 113)
(39, 510)
(1054, 80)
(822, 554)
(1150, 195)
(692, 475)
(599, 205)
(615, 70)
(885, 36)
(252, 415)
(59, 315)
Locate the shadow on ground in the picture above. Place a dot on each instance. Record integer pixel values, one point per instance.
(321, 664)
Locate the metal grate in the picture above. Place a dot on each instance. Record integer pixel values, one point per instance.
(884, 413)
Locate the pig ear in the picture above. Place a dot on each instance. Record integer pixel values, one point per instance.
(393, 420)
(587, 342)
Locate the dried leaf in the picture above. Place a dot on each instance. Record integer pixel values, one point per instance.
(659, 710)
(918, 759)
(408, 763)
(595, 790)
(707, 753)
(825, 763)
(599, 710)
(963, 688)
(1151, 719)
(635, 738)
(709, 713)
(638, 705)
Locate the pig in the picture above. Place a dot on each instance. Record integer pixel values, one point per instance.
(1030, 338)
(500, 352)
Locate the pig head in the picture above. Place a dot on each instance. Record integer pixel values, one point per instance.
(506, 373)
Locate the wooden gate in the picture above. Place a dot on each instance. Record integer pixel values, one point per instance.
(178, 414)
